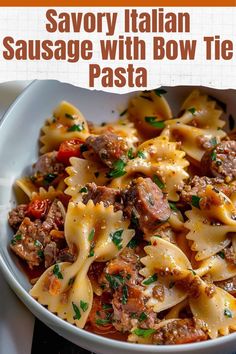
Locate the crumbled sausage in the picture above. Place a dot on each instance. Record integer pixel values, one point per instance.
(108, 196)
(17, 215)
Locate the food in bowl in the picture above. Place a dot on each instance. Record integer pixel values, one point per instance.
(129, 228)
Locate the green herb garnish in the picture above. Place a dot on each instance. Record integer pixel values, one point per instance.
(228, 313)
(118, 169)
(123, 112)
(152, 120)
(173, 206)
(56, 272)
(191, 270)
(16, 238)
(158, 182)
(106, 306)
(133, 242)
(143, 316)
(130, 154)
(221, 254)
(195, 200)
(84, 190)
(76, 128)
(69, 116)
(115, 281)
(91, 252)
(91, 235)
(160, 92)
(192, 110)
(150, 280)
(37, 243)
(102, 322)
(40, 254)
(141, 155)
(140, 332)
(213, 155)
(49, 178)
(117, 238)
(77, 315)
(213, 141)
(84, 305)
(124, 298)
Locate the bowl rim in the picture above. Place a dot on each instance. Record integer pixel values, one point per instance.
(46, 316)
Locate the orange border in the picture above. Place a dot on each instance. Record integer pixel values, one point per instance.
(125, 3)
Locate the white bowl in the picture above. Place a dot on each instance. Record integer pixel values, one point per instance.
(19, 132)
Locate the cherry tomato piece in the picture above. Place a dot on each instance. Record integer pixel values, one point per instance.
(38, 208)
(69, 148)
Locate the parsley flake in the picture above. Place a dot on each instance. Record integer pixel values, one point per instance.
(213, 155)
(158, 182)
(49, 178)
(77, 315)
(130, 154)
(140, 332)
(173, 206)
(150, 280)
(102, 322)
(76, 128)
(192, 110)
(118, 169)
(124, 294)
(221, 254)
(115, 281)
(107, 306)
(117, 238)
(152, 120)
(91, 235)
(84, 190)
(15, 239)
(84, 306)
(56, 272)
(143, 316)
(141, 155)
(195, 200)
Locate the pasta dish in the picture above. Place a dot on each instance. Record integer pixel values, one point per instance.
(129, 228)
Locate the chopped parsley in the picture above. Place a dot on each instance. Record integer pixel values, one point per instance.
(77, 315)
(130, 154)
(133, 242)
(69, 116)
(84, 190)
(228, 313)
(158, 182)
(40, 254)
(143, 316)
(140, 332)
(84, 306)
(76, 128)
(160, 92)
(213, 155)
(150, 280)
(56, 272)
(37, 243)
(231, 122)
(102, 322)
(91, 235)
(173, 206)
(221, 254)
(16, 238)
(118, 169)
(191, 270)
(123, 112)
(134, 222)
(152, 120)
(115, 281)
(213, 141)
(117, 238)
(91, 252)
(141, 155)
(106, 306)
(124, 298)
(49, 178)
(195, 200)
(192, 110)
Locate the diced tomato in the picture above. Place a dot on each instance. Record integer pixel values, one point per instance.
(69, 148)
(38, 208)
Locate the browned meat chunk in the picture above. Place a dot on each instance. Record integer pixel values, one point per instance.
(47, 169)
(198, 185)
(50, 254)
(228, 285)
(108, 196)
(109, 147)
(180, 331)
(145, 201)
(220, 161)
(26, 242)
(17, 215)
(65, 255)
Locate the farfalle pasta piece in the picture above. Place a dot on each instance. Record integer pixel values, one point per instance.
(159, 158)
(218, 311)
(207, 239)
(67, 123)
(122, 127)
(81, 172)
(97, 233)
(164, 264)
(148, 105)
(27, 186)
(198, 128)
(217, 267)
